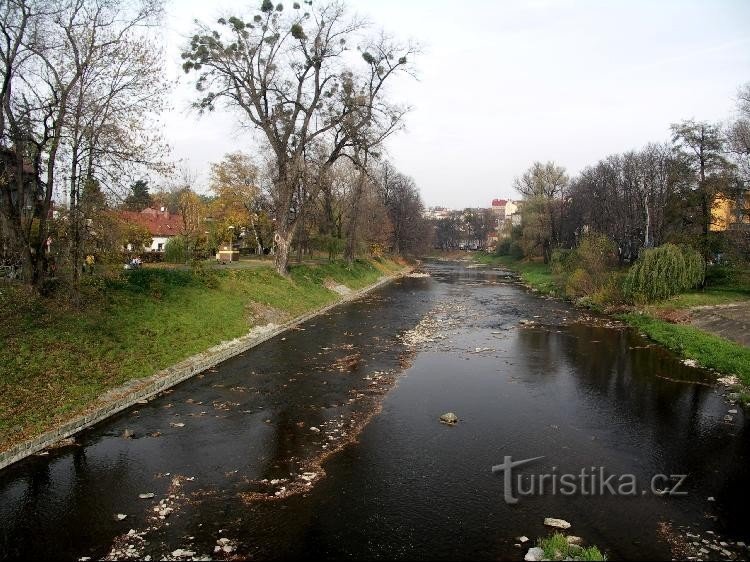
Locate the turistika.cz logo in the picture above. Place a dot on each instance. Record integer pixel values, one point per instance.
(590, 481)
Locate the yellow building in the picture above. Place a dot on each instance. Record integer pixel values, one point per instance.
(729, 214)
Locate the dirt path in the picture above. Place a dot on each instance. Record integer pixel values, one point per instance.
(730, 321)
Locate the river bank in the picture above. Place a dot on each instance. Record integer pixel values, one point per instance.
(327, 442)
(60, 366)
(693, 343)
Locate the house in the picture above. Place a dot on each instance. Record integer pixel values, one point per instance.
(498, 209)
(161, 224)
(508, 215)
(731, 213)
(513, 212)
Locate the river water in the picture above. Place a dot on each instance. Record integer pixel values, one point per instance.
(326, 441)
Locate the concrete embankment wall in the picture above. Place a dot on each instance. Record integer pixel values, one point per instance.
(140, 390)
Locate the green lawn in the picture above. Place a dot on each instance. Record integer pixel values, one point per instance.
(536, 274)
(54, 361)
(710, 351)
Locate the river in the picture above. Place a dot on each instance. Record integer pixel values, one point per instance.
(326, 441)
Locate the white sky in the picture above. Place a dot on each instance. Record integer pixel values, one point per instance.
(502, 84)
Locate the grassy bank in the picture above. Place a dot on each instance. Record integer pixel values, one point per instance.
(707, 349)
(55, 360)
(536, 274)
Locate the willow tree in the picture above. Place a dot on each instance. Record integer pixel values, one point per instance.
(291, 75)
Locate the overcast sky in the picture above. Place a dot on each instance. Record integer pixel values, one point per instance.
(502, 84)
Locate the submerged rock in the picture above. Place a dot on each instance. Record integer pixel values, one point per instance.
(449, 418)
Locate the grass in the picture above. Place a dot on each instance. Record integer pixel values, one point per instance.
(716, 293)
(55, 360)
(556, 547)
(536, 274)
(708, 350)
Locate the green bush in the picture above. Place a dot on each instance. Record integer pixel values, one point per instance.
(587, 269)
(174, 251)
(580, 284)
(562, 261)
(610, 292)
(720, 274)
(662, 272)
(596, 253)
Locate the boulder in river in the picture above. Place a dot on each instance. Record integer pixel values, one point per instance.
(449, 418)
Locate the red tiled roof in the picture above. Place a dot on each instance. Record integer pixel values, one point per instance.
(158, 223)
(499, 202)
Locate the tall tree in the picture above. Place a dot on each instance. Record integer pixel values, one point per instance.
(543, 186)
(139, 197)
(287, 75)
(235, 181)
(701, 145)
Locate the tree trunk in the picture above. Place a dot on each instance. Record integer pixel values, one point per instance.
(351, 239)
(283, 242)
(75, 226)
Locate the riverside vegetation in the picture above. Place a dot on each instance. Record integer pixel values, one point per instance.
(651, 295)
(137, 322)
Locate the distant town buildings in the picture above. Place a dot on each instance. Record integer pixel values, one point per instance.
(437, 213)
(496, 221)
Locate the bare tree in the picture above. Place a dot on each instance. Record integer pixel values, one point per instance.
(64, 67)
(287, 76)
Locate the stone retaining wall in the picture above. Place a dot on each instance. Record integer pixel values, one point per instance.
(139, 390)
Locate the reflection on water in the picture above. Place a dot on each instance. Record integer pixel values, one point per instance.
(410, 487)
